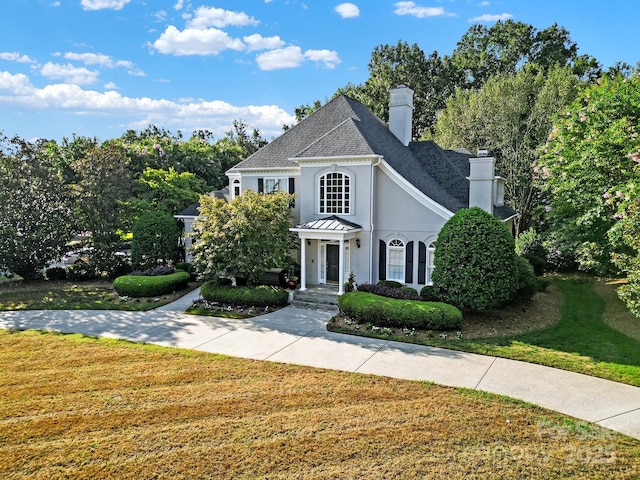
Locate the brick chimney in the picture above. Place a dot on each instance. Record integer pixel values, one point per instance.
(401, 113)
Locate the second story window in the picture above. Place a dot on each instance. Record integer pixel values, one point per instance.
(335, 193)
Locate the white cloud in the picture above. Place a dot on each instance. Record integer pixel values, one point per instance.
(410, 8)
(55, 4)
(328, 57)
(110, 86)
(484, 4)
(103, 4)
(17, 92)
(348, 10)
(193, 41)
(292, 57)
(489, 18)
(104, 61)
(258, 42)
(217, 17)
(69, 73)
(15, 57)
(289, 57)
(179, 4)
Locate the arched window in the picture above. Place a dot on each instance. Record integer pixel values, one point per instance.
(395, 260)
(236, 188)
(335, 194)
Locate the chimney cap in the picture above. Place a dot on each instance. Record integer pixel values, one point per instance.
(483, 152)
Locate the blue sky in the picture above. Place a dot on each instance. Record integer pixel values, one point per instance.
(100, 67)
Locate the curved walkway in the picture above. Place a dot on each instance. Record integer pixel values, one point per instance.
(299, 336)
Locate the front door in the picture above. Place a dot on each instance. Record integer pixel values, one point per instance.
(333, 263)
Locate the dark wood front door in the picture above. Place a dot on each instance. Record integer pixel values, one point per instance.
(333, 262)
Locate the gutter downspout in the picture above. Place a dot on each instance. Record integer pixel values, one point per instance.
(371, 215)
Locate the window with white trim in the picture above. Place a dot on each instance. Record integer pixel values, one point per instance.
(431, 251)
(272, 185)
(395, 260)
(335, 193)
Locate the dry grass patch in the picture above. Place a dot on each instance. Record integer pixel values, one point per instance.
(71, 406)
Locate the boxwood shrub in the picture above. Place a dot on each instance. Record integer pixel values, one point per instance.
(259, 296)
(364, 307)
(149, 286)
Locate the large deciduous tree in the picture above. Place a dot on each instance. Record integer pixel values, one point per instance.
(36, 219)
(590, 176)
(242, 238)
(166, 190)
(511, 116)
(103, 184)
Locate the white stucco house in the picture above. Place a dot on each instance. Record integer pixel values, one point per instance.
(368, 199)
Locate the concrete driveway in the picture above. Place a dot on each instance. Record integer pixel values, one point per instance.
(299, 336)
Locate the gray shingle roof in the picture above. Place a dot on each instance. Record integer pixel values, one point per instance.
(345, 127)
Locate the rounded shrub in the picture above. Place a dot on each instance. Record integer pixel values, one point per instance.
(256, 296)
(150, 286)
(364, 307)
(428, 294)
(56, 273)
(81, 271)
(390, 283)
(475, 264)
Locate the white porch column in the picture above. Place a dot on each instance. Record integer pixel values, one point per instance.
(341, 269)
(303, 264)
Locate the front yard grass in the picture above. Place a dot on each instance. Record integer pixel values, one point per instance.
(77, 407)
(67, 295)
(580, 325)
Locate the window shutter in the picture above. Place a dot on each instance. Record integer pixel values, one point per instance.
(382, 261)
(408, 264)
(422, 263)
(261, 185)
(292, 190)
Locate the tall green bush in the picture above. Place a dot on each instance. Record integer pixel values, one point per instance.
(155, 240)
(475, 264)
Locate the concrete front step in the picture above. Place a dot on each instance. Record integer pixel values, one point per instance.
(317, 297)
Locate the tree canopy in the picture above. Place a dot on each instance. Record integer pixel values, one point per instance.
(589, 173)
(36, 216)
(511, 116)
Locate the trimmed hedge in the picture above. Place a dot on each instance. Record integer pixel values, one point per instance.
(384, 290)
(148, 286)
(364, 307)
(260, 296)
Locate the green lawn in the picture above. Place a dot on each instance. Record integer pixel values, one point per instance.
(67, 295)
(581, 341)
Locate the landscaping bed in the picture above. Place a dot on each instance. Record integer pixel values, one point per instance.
(86, 295)
(579, 324)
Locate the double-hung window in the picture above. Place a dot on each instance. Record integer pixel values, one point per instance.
(396, 260)
(335, 193)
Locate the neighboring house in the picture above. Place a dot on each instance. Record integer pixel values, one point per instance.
(368, 200)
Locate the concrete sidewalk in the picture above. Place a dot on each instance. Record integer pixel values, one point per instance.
(299, 336)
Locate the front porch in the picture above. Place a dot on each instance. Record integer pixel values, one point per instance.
(331, 237)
